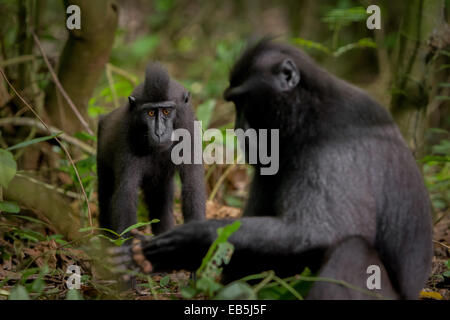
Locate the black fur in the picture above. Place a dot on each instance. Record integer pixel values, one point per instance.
(348, 191)
(129, 158)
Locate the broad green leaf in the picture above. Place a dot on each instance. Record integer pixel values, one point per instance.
(19, 293)
(223, 234)
(8, 167)
(10, 207)
(33, 141)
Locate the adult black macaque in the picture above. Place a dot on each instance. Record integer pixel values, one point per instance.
(134, 147)
(348, 193)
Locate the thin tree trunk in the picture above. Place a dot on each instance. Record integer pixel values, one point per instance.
(412, 66)
(82, 61)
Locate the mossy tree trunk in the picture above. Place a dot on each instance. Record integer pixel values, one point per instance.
(82, 61)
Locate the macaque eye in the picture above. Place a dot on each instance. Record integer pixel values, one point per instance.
(166, 112)
(151, 113)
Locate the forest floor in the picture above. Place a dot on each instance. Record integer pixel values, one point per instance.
(29, 246)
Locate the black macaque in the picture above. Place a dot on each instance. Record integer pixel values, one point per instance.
(348, 193)
(134, 151)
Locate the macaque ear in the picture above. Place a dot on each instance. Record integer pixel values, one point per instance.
(132, 101)
(288, 75)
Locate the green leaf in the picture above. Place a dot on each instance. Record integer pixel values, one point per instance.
(236, 291)
(223, 235)
(121, 241)
(138, 225)
(362, 43)
(311, 45)
(164, 281)
(33, 141)
(99, 229)
(188, 292)
(434, 159)
(19, 293)
(73, 294)
(10, 207)
(85, 136)
(208, 285)
(32, 220)
(343, 17)
(8, 167)
(38, 285)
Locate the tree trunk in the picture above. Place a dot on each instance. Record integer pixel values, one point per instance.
(81, 63)
(413, 70)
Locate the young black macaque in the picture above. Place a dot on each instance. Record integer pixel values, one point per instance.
(134, 151)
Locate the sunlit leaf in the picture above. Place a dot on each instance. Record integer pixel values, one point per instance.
(8, 167)
(431, 295)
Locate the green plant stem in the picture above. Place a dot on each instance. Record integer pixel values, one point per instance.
(263, 283)
(288, 287)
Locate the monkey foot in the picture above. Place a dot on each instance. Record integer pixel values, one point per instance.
(129, 257)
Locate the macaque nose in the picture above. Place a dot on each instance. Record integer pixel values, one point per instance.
(160, 128)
